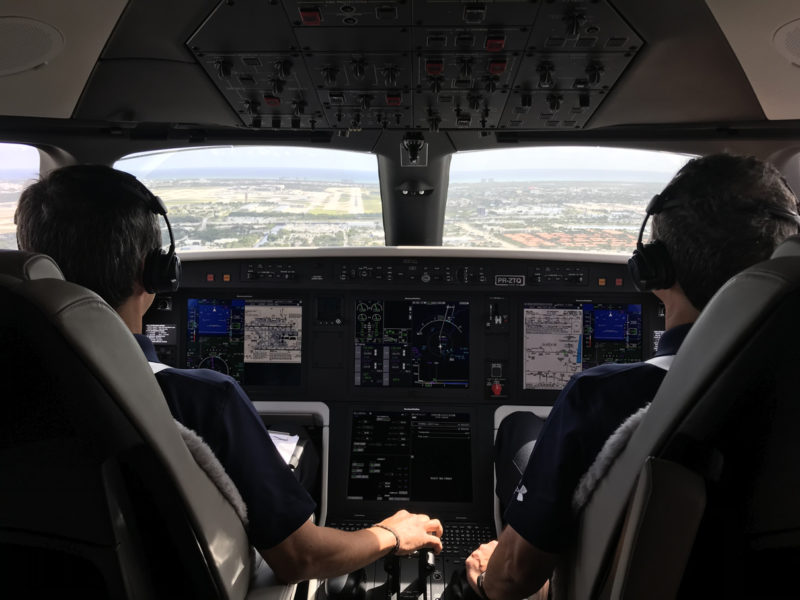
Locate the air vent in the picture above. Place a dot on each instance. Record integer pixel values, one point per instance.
(787, 42)
(27, 44)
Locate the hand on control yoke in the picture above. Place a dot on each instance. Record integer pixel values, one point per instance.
(415, 531)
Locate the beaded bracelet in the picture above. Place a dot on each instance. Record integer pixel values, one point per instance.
(394, 533)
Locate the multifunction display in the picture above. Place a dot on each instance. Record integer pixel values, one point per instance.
(410, 455)
(411, 343)
(256, 341)
(560, 340)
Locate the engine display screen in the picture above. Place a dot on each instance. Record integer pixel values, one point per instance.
(411, 343)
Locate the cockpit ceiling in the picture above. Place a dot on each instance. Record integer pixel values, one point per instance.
(767, 44)
(474, 67)
(48, 51)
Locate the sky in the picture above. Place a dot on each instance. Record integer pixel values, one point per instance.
(19, 156)
(14, 156)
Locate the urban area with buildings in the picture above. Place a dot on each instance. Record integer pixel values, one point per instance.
(212, 213)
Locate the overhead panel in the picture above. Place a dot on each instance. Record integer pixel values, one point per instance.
(350, 65)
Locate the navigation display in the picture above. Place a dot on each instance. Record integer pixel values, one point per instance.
(255, 341)
(411, 343)
(560, 340)
(410, 455)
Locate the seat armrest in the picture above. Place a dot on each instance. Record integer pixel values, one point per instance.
(265, 586)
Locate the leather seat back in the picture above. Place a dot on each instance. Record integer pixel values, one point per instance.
(95, 473)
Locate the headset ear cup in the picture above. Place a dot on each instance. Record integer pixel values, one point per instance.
(161, 272)
(172, 279)
(150, 271)
(651, 267)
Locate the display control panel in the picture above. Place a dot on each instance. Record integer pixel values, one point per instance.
(466, 327)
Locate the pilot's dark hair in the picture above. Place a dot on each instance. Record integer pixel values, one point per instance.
(722, 213)
(94, 223)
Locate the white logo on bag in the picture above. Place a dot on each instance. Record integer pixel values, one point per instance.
(520, 492)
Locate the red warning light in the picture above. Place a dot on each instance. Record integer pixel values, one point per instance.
(497, 67)
(310, 16)
(434, 67)
(495, 43)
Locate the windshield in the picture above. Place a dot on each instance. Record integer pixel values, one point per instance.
(264, 196)
(588, 199)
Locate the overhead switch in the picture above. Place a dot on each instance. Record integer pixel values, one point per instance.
(434, 67)
(223, 68)
(329, 74)
(283, 68)
(386, 12)
(574, 20)
(495, 43)
(554, 101)
(390, 76)
(394, 98)
(310, 16)
(466, 69)
(497, 67)
(359, 68)
(595, 72)
(545, 70)
(474, 13)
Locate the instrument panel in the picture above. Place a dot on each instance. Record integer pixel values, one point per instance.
(474, 327)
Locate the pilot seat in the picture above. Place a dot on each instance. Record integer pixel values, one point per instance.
(99, 494)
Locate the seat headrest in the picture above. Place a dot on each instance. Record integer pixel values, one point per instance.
(28, 266)
(789, 247)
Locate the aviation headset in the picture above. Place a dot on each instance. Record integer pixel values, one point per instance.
(651, 267)
(162, 269)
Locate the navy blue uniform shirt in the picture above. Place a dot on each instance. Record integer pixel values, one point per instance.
(589, 409)
(218, 410)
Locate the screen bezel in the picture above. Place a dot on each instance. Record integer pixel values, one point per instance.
(339, 506)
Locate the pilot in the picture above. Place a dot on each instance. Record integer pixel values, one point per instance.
(718, 215)
(100, 225)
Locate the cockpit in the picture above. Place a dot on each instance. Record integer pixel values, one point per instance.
(398, 221)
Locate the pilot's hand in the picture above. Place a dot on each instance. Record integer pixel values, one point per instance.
(477, 563)
(415, 531)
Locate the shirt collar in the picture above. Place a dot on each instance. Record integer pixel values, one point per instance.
(672, 339)
(147, 347)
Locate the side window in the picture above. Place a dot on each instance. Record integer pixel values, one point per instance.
(19, 166)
